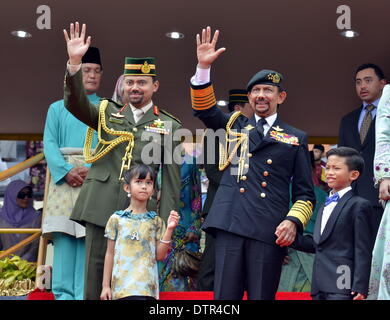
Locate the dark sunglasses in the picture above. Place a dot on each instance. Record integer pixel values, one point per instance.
(22, 195)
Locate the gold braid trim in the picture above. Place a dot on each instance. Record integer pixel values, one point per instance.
(103, 147)
(302, 210)
(203, 99)
(240, 139)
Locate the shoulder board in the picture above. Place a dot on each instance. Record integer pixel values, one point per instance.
(169, 115)
(118, 105)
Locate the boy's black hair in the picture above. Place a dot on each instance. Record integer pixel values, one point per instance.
(139, 171)
(378, 71)
(353, 159)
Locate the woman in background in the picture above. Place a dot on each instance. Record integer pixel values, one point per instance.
(18, 212)
(187, 233)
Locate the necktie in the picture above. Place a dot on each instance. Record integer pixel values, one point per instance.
(331, 199)
(260, 126)
(138, 113)
(366, 122)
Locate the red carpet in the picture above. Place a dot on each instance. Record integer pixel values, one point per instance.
(194, 295)
(208, 295)
(38, 294)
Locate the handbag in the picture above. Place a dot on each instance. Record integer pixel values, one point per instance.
(186, 263)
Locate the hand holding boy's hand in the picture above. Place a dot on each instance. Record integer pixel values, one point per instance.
(106, 294)
(173, 220)
(286, 232)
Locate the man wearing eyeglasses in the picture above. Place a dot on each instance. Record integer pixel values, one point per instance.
(63, 142)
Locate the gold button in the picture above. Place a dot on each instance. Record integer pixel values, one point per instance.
(135, 129)
(246, 166)
(264, 184)
(242, 190)
(262, 195)
(244, 178)
(265, 173)
(269, 161)
(249, 155)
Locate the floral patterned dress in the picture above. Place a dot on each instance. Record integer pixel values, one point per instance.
(135, 270)
(379, 287)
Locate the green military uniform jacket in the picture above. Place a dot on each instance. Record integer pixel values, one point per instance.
(102, 192)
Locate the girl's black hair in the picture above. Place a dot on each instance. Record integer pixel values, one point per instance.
(139, 171)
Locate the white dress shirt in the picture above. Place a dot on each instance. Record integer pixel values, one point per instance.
(329, 208)
(270, 122)
(202, 76)
(136, 111)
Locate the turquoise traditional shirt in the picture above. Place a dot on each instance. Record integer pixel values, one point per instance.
(62, 130)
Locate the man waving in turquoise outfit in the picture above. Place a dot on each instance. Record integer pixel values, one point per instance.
(63, 142)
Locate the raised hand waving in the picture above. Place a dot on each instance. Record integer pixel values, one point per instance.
(205, 48)
(75, 42)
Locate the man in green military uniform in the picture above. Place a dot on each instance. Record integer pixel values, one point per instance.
(127, 134)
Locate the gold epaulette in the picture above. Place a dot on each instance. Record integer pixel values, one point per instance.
(232, 119)
(107, 146)
(169, 115)
(118, 105)
(302, 210)
(238, 139)
(203, 99)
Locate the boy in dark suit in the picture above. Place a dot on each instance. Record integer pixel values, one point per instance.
(342, 238)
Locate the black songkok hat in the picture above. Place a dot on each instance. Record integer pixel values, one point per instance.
(92, 56)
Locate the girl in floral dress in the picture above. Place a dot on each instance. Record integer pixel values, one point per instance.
(136, 239)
